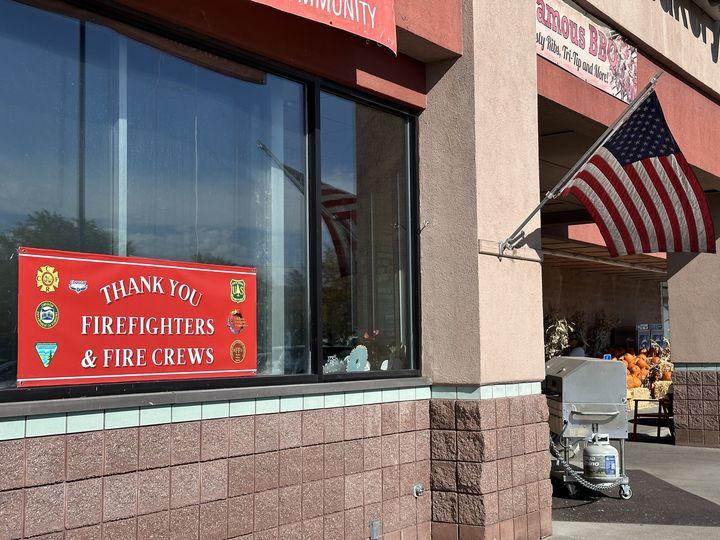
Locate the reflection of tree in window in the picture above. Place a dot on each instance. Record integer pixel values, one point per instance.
(41, 229)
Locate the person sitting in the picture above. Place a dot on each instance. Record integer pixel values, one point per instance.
(576, 345)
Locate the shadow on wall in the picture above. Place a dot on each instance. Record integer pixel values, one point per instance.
(696, 20)
(678, 261)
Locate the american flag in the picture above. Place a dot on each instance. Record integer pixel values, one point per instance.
(338, 208)
(339, 211)
(641, 192)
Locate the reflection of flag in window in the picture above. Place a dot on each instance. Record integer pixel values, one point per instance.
(339, 209)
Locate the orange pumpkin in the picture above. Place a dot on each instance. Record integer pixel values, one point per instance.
(630, 358)
(667, 376)
(637, 383)
(629, 381)
(635, 370)
(642, 363)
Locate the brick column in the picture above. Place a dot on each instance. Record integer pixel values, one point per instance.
(490, 468)
(696, 404)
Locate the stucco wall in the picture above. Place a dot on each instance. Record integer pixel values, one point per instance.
(511, 339)
(448, 242)
(479, 178)
(694, 300)
(676, 29)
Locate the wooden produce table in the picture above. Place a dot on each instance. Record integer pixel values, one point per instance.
(664, 415)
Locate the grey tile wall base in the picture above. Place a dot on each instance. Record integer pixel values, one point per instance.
(489, 391)
(343, 395)
(55, 417)
(686, 366)
(51, 406)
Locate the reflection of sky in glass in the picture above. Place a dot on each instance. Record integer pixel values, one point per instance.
(173, 106)
(38, 146)
(337, 120)
(338, 142)
(194, 157)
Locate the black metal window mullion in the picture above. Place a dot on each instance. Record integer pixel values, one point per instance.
(315, 235)
(413, 233)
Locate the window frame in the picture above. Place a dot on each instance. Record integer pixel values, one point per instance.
(170, 38)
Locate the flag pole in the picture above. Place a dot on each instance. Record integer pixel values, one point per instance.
(517, 235)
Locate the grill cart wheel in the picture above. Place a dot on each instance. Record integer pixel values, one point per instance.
(625, 492)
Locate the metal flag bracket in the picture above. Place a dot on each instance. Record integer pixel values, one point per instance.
(518, 235)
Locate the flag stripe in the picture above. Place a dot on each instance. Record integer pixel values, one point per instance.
(618, 179)
(645, 168)
(700, 196)
(601, 219)
(682, 195)
(617, 220)
(677, 212)
(652, 202)
(695, 203)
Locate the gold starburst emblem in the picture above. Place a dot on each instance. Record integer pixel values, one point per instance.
(47, 279)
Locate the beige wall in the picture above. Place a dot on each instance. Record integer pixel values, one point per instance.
(511, 336)
(677, 30)
(448, 243)
(481, 316)
(694, 299)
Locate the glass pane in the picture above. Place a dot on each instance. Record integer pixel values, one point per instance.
(365, 301)
(216, 174)
(108, 145)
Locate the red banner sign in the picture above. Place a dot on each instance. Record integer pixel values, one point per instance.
(93, 319)
(371, 19)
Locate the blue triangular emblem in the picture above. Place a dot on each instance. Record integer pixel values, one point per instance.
(46, 352)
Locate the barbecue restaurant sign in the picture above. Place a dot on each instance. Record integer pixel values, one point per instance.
(370, 19)
(586, 49)
(94, 319)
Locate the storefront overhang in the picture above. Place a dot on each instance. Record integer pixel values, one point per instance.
(566, 253)
(682, 105)
(424, 34)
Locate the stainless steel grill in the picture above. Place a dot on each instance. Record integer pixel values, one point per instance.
(586, 392)
(585, 397)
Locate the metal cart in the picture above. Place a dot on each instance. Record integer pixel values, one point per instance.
(586, 396)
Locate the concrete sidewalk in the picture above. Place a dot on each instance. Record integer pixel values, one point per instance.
(579, 530)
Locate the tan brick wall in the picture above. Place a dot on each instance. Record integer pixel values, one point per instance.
(696, 406)
(306, 474)
(490, 468)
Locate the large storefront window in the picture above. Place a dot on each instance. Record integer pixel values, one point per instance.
(141, 148)
(364, 237)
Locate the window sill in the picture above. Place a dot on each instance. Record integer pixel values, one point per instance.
(97, 403)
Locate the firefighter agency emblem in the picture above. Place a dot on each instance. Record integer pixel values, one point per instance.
(237, 351)
(237, 290)
(47, 279)
(46, 315)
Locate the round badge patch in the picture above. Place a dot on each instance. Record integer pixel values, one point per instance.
(236, 322)
(46, 314)
(237, 351)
